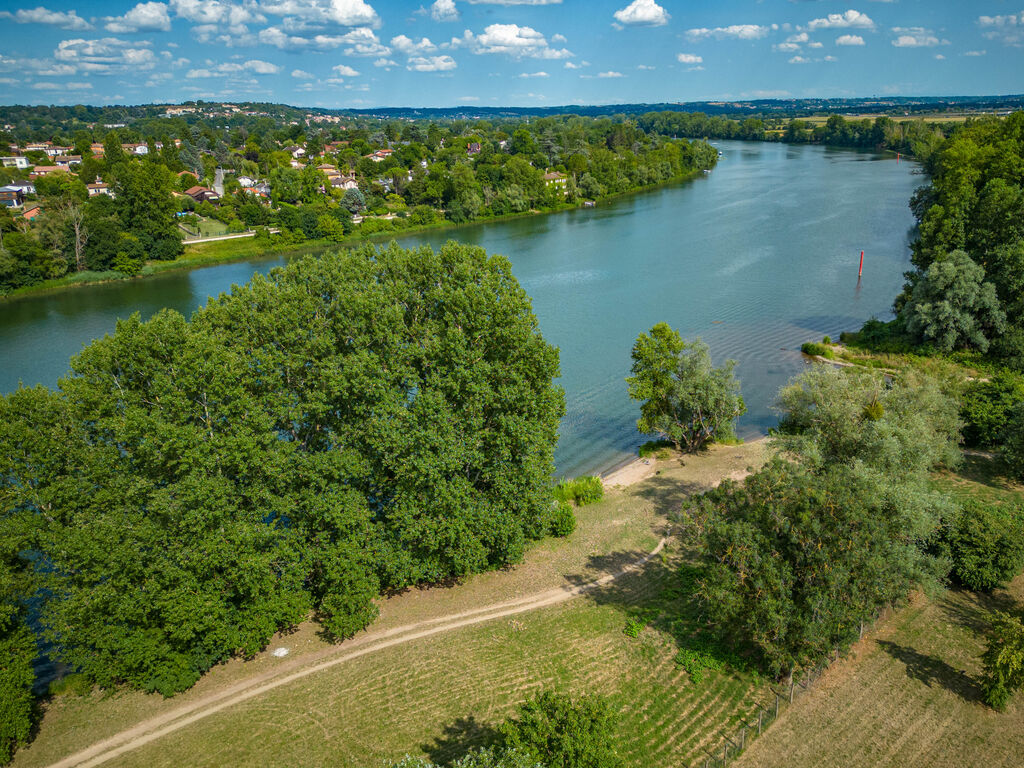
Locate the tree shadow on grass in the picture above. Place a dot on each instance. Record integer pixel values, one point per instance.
(932, 671)
(973, 610)
(666, 495)
(458, 737)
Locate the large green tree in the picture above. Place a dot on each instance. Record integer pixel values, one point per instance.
(1003, 660)
(357, 421)
(683, 397)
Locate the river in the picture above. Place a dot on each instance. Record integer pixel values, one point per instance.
(755, 258)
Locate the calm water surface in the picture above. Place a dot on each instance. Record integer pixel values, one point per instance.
(756, 257)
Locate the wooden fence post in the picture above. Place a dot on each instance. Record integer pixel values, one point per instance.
(776, 706)
(760, 719)
(792, 687)
(743, 737)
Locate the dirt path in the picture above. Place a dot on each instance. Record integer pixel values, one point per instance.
(169, 722)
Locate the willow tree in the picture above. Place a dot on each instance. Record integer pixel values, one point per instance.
(683, 397)
(353, 422)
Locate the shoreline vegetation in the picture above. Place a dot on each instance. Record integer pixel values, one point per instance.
(211, 254)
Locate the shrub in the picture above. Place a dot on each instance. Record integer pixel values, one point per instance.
(987, 545)
(562, 733)
(986, 408)
(633, 628)
(698, 659)
(583, 490)
(820, 350)
(75, 684)
(826, 340)
(1013, 442)
(563, 521)
(1003, 660)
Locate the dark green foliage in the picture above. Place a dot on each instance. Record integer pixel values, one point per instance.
(582, 490)
(659, 449)
(1013, 442)
(795, 560)
(75, 684)
(987, 545)
(683, 398)
(813, 348)
(359, 421)
(17, 651)
(987, 405)
(697, 659)
(633, 628)
(490, 757)
(563, 520)
(1003, 660)
(562, 733)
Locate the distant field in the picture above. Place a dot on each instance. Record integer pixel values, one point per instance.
(437, 695)
(941, 117)
(910, 695)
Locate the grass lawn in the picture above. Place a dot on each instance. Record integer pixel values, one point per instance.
(910, 694)
(436, 695)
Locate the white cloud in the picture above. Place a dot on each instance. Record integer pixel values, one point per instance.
(444, 10)
(78, 86)
(383, 62)
(514, 2)
(364, 42)
(278, 38)
(344, 70)
(815, 44)
(431, 64)
(557, 38)
(106, 55)
(799, 60)
(300, 74)
(535, 74)
(851, 18)
(765, 94)
(347, 13)
(232, 68)
(737, 31)
(798, 38)
(144, 16)
(646, 68)
(642, 13)
(939, 57)
(1006, 29)
(218, 12)
(410, 47)
(610, 74)
(849, 40)
(975, 53)
(512, 40)
(570, 65)
(786, 47)
(916, 37)
(689, 58)
(40, 15)
(469, 98)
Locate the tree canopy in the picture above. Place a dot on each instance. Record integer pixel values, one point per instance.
(360, 421)
(683, 397)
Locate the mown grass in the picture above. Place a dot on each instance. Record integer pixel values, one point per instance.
(910, 693)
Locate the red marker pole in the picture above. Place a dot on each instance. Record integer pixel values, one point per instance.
(861, 270)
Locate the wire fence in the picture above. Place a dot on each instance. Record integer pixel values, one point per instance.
(730, 744)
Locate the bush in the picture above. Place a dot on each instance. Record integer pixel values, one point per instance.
(563, 521)
(696, 660)
(986, 408)
(826, 340)
(75, 684)
(1013, 442)
(562, 733)
(633, 628)
(987, 545)
(583, 490)
(819, 350)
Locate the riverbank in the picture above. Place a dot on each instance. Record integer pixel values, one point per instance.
(225, 251)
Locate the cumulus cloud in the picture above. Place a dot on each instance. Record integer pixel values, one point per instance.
(106, 55)
(975, 53)
(233, 68)
(534, 74)
(737, 31)
(514, 2)
(610, 74)
(851, 18)
(347, 13)
(144, 16)
(344, 70)
(385, 62)
(218, 12)
(40, 15)
(512, 40)
(645, 13)
(444, 10)
(849, 40)
(410, 47)
(916, 37)
(1007, 29)
(431, 64)
(799, 60)
(786, 47)
(689, 58)
(278, 38)
(300, 74)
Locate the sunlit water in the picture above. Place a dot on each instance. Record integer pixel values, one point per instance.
(756, 257)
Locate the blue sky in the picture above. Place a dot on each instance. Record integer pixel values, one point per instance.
(365, 53)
